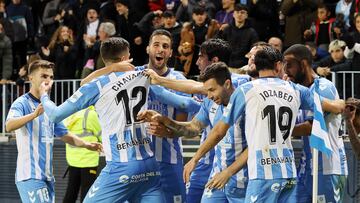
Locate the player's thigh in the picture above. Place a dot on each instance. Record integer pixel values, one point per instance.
(264, 190)
(34, 191)
(303, 192)
(213, 196)
(235, 195)
(332, 188)
(153, 194)
(288, 191)
(172, 182)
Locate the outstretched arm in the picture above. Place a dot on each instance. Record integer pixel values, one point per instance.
(75, 141)
(187, 86)
(333, 106)
(182, 103)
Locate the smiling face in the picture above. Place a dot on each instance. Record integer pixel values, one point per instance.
(159, 51)
(220, 94)
(92, 15)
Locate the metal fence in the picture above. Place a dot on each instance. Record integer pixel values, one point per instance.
(347, 83)
(62, 89)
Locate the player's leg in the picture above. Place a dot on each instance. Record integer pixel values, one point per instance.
(213, 196)
(235, 195)
(288, 191)
(36, 191)
(88, 177)
(172, 182)
(73, 185)
(198, 180)
(110, 186)
(332, 188)
(263, 190)
(303, 189)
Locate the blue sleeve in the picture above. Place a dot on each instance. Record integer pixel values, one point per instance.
(16, 110)
(235, 107)
(203, 114)
(182, 103)
(306, 98)
(60, 129)
(85, 96)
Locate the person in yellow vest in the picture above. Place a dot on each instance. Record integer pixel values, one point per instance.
(82, 163)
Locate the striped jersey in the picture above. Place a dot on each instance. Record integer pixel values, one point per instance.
(118, 97)
(167, 150)
(336, 164)
(236, 80)
(230, 147)
(34, 141)
(270, 106)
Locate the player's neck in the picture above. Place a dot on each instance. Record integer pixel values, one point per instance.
(310, 78)
(267, 73)
(160, 72)
(35, 93)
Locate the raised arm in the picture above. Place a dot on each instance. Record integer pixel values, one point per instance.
(333, 106)
(115, 67)
(18, 122)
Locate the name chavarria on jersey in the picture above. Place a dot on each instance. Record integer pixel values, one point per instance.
(270, 106)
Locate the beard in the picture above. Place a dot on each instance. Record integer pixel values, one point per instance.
(299, 78)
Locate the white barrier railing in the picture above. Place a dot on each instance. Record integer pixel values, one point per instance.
(347, 83)
(62, 89)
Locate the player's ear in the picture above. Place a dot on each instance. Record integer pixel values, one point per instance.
(228, 84)
(147, 49)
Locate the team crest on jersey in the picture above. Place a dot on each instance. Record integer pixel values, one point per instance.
(208, 192)
(124, 179)
(275, 187)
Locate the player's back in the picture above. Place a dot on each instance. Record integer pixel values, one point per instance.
(121, 97)
(271, 106)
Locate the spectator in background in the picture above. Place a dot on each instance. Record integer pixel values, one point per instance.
(322, 29)
(185, 10)
(170, 24)
(354, 10)
(125, 22)
(56, 12)
(316, 52)
(225, 16)
(343, 7)
(82, 162)
(352, 119)
(7, 25)
(150, 22)
(92, 55)
(240, 36)
(62, 51)
(107, 10)
(265, 18)
(352, 51)
(276, 43)
(192, 36)
(5, 56)
(298, 17)
(20, 16)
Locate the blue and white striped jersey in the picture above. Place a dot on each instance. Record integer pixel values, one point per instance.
(230, 147)
(236, 80)
(117, 97)
(34, 141)
(270, 106)
(336, 164)
(167, 150)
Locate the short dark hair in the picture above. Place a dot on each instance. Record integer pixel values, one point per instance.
(219, 71)
(266, 58)
(37, 64)
(198, 10)
(216, 48)
(241, 7)
(168, 14)
(300, 52)
(112, 48)
(160, 32)
(324, 6)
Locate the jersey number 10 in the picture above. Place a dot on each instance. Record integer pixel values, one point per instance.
(138, 91)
